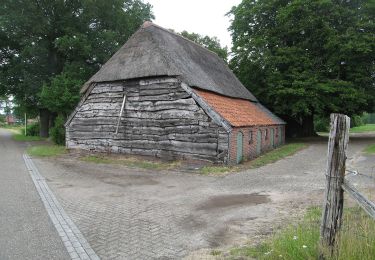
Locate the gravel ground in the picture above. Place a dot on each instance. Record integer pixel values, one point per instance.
(129, 213)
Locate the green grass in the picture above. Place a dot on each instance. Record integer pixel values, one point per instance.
(269, 157)
(46, 150)
(23, 138)
(370, 149)
(130, 162)
(363, 128)
(19, 135)
(277, 154)
(301, 241)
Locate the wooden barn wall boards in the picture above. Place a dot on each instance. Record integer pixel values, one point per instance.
(160, 118)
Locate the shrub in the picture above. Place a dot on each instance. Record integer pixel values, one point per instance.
(33, 130)
(356, 121)
(321, 124)
(57, 132)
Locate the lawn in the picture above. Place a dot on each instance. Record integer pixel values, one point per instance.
(46, 150)
(130, 162)
(363, 128)
(301, 241)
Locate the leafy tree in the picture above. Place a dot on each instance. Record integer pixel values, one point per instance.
(211, 43)
(304, 58)
(49, 48)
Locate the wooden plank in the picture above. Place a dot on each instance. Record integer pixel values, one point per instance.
(212, 113)
(120, 115)
(334, 194)
(365, 203)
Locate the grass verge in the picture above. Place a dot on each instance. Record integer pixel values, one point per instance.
(277, 154)
(26, 138)
(370, 149)
(363, 128)
(269, 157)
(46, 150)
(301, 241)
(130, 162)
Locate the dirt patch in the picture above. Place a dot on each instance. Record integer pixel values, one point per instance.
(233, 200)
(129, 180)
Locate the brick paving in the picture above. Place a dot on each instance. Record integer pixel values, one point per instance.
(75, 243)
(127, 213)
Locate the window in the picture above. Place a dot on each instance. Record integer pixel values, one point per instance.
(250, 137)
(266, 134)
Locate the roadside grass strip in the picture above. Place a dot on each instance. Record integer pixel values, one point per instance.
(277, 154)
(76, 245)
(363, 128)
(267, 158)
(370, 149)
(301, 241)
(46, 150)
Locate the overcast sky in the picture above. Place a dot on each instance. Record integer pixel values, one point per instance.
(206, 17)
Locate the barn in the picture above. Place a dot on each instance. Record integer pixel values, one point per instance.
(165, 96)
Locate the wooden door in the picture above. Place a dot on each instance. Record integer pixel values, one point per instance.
(259, 142)
(239, 147)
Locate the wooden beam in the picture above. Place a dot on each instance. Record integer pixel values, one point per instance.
(366, 204)
(120, 115)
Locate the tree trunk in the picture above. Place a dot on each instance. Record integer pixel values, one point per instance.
(308, 126)
(44, 115)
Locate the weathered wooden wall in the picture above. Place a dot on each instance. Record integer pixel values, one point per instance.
(160, 119)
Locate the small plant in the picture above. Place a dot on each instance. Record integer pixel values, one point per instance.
(57, 132)
(32, 129)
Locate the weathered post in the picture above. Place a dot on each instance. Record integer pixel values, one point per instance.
(335, 174)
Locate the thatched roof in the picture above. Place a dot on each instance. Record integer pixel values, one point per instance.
(155, 51)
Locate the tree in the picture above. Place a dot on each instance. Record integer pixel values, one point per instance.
(211, 43)
(305, 58)
(49, 48)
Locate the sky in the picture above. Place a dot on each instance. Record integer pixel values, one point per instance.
(206, 17)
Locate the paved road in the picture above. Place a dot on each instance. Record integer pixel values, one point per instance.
(26, 231)
(136, 214)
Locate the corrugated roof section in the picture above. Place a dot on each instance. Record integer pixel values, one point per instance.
(238, 112)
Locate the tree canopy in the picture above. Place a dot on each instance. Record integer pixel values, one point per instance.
(211, 43)
(49, 48)
(304, 58)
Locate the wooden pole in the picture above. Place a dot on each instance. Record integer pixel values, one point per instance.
(120, 115)
(335, 174)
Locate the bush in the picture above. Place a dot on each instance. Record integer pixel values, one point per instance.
(321, 124)
(57, 132)
(356, 121)
(33, 130)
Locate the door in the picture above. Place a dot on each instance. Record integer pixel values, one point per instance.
(239, 147)
(259, 142)
(272, 136)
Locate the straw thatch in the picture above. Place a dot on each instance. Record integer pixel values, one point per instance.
(155, 51)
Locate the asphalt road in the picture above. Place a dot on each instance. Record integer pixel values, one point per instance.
(26, 231)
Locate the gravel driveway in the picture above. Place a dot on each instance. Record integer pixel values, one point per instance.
(129, 213)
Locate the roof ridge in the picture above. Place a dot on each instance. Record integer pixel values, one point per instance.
(149, 23)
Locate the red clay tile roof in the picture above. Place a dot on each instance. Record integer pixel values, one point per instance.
(238, 112)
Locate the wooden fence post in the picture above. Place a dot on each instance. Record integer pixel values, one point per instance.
(335, 174)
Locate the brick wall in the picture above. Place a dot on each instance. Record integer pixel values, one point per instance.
(250, 146)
